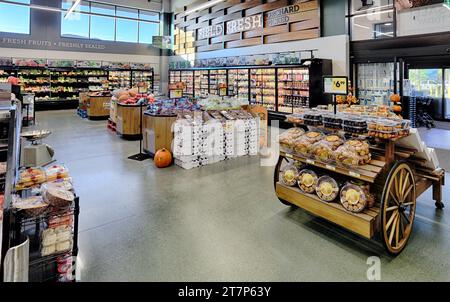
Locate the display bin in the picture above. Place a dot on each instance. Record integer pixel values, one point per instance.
(157, 132)
(98, 107)
(128, 124)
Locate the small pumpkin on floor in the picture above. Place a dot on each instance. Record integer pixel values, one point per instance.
(163, 158)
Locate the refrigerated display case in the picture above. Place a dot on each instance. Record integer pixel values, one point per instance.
(238, 83)
(263, 87)
(293, 89)
(375, 82)
(6, 72)
(281, 89)
(187, 77)
(201, 82)
(119, 79)
(216, 78)
(145, 76)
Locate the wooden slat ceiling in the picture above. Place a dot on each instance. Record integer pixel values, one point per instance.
(302, 25)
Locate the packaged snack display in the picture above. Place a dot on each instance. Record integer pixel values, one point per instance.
(56, 240)
(30, 177)
(307, 181)
(287, 138)
(55, 172)
(333, 140)
(295, 118)
(313, 118)
(332, 121)
(31, 206)
(289, 175)
(58, 197)
(327, 188)
(356, 126)
(355, 197)
(352, 153)
(303, 144)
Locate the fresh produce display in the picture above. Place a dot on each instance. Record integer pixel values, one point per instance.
(327, 188)
(307, 181)
(163, 158)
(353, 153)
(289, 175)
(132, 97)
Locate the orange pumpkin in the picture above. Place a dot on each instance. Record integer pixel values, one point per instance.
(397, 108)
(395, 98)
(163, 158)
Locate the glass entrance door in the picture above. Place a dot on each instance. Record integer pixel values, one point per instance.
(429, 83)
(447, 93)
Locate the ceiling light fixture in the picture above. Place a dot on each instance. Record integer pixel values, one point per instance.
(203, 6)
(374, 13)
(72, 8)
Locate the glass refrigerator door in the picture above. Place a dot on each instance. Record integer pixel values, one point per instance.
(201, 83)
(188, 78)
(175, 76)
(142, 76)
(242, 85)
(233, 82)
(293, 89)
(216, 78)
(375, 83)
(263, 87)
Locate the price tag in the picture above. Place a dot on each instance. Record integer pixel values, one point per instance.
(310, 161)
(332, 168)
(335, 85)
(354, 174)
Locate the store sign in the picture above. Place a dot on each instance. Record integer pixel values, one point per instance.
(281, 15)
(335, 85)
(244, 24)
(210, 31)
(175, 94)
(423, 20)
(49, 44)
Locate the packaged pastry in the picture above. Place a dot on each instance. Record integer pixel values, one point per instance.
(355, 198)
(332, 121)
(58, 197)
(355, 126)
(63, 246)
(30, 177)
(55, 172)
(65, 184)
(304, 143)
(353, 152)
(56, 221)
(295, 118)
(31, 206)
(287, 138)
(327, 188)
(307, 181)
(48, 237)
(289, 175)
(322, 151)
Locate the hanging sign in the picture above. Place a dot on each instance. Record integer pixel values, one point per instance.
(335, 85)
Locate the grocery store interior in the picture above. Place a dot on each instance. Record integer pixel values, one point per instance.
(224, 140)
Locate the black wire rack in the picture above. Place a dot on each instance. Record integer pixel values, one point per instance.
(45, 268)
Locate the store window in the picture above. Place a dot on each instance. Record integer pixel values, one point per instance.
(76, 25)
(127, 29)
(426, 82)
(148, 29)
(101, 21)
(15, 18)
(371, 19)
(102, 28)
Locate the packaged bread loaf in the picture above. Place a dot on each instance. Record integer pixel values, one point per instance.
(287, 138)
(353, 153)
(304, 143)
(30, 177)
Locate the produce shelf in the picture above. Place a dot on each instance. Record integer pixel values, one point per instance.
(367, 172)
(364, 223)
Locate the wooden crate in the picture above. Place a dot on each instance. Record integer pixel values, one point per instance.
(98, 107)
(157, 131)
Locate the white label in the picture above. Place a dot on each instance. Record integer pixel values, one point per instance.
(329, 167)
(354, 174)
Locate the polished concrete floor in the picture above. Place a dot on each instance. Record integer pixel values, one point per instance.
(217, 223)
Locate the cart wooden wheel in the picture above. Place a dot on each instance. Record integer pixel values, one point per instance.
(276, 176)
(398, 208)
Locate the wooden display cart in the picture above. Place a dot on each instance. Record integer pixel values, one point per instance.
(128, 124)
(157, 132)
(98, 107)
(397, 178)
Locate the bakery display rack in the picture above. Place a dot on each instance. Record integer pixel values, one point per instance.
(397, 177)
